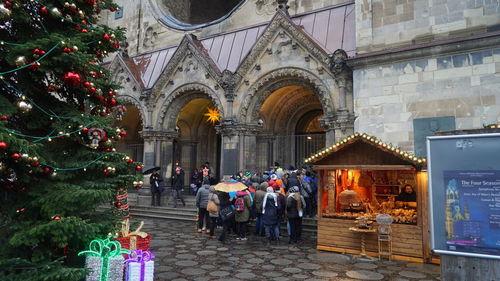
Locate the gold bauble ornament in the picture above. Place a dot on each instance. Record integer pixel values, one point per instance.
(4, 12)
(75, 48)
(20, 61)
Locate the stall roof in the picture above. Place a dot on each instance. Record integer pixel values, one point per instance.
(364, 151)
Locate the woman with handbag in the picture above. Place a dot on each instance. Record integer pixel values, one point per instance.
(213, 209)
(226, 214)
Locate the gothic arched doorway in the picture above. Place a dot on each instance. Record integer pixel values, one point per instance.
(290, 118)
(198, 141)
(132, 144)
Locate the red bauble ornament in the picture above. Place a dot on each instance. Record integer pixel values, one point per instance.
(111, 93)
(43, 10)
(8, 4)
(85, 130)
(138, 168)
(100, 98)
(34, 66)
(15, 156)
(92, 90)
(67, 50)
(84, 30)
(112, 9)
(112, 102)
(72, 78)
(78, 27)
(3, 145)
(86, 84)
(47, 170)
(56, 218)
(138, 187)
(106, 37)
(105, 171)
(108, 149)
(84, 22)
(51, 89)
(4, 118)
(91, 2)
(98, 53)
(35, 164)
(116, 45)
(123, 133)
(118, 204)
(130, 161)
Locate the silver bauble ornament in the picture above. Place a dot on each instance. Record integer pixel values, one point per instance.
(55, 12)
(24, 106)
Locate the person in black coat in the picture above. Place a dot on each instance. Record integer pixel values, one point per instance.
(178, 186)
(155, 180)
(292, 181)
(225, 201)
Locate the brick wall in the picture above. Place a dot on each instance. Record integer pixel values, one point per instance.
(466, 86)
(383, 24)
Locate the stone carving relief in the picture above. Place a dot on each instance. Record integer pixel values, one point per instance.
(186, 53)
(286, 30)
(150, 37)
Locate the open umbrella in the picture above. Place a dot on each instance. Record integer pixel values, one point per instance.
(230, 186)
(150, 170)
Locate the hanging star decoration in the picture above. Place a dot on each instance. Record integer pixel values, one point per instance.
(213, 116)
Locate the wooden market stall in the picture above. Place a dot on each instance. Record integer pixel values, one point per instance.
(361, 177)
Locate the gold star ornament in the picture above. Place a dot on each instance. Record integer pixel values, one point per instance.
(213, 116)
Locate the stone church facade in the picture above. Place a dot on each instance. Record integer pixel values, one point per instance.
(289, 77)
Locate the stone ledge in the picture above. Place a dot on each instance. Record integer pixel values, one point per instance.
(425, 51)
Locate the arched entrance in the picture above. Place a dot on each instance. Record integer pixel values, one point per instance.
(198, 141)
(291, 131)
(132, 144)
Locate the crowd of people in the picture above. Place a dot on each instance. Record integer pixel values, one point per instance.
(268, 198)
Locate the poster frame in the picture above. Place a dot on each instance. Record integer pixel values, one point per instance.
(431, 198)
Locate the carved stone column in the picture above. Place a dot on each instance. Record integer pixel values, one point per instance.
(230, 135)
(158, 151)
(338, 126)
(248, 146)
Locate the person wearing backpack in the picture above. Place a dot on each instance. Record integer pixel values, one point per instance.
(242, 205)
(270, 216)
(294, 212)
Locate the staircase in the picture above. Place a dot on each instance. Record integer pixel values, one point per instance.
(140, 206)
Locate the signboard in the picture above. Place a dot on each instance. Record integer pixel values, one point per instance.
(464, 187)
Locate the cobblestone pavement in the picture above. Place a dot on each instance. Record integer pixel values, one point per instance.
(183, 254)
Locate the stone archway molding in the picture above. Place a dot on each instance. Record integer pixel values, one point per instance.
(177, 99)
(279, 78)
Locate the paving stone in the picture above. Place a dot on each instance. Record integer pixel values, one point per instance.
(323, 273)
(207, 266)
(281, 278)
(186, 263)
(292, 270)
(281, 261)
(219, 273)
(245, 275)
(307, 265)
(167, 275)
(206, 253)
(193, 271)
(364, 275)
(222, 249)
(179, 279)
(299, 276)
(255, 261)
(412, 274)
(244, 270)
(268, 267)
(203, 278)
(185, 256)
(365, 265)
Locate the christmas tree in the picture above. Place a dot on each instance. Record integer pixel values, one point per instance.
(58, 165)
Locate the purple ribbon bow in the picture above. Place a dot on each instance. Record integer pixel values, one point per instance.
(141, 257)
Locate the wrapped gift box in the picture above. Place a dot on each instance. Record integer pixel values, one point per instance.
(140, 266)
(104, 259)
